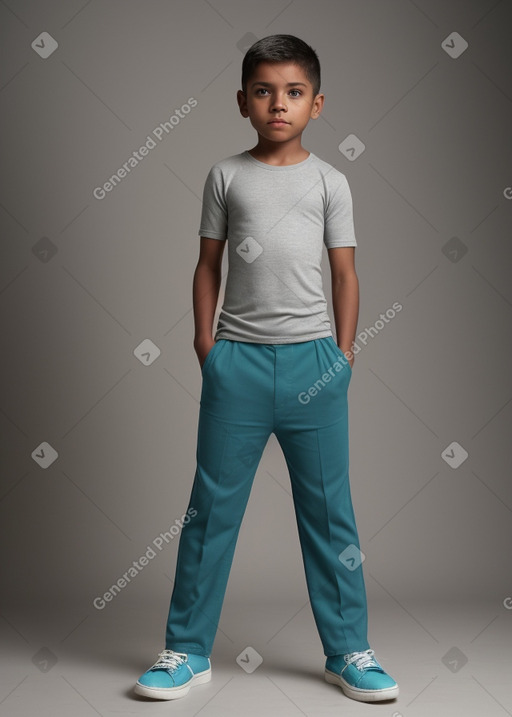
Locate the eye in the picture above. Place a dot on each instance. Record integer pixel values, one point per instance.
(261, 89)
(298, 93)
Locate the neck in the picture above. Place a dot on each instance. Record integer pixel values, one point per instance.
(279, 153)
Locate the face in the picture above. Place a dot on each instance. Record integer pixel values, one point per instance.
(279, 101)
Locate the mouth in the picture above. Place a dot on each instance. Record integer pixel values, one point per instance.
(278, 122)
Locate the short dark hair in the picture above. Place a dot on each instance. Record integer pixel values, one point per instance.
(282, 48)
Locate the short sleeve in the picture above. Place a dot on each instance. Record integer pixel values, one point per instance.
(339, 220)
(214, 215)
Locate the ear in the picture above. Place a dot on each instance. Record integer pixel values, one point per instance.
(317, 106)
(242, 103)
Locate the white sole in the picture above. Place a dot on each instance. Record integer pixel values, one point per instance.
(172, 693)
(354, 693)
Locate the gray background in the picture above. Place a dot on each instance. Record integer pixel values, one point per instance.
(84, 281)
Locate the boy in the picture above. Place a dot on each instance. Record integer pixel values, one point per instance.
(273, 367)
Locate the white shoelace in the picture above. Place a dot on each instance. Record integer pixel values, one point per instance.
(169, 660)
(362, 660)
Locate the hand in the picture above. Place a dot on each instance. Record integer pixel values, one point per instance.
(202, 347)
(349, 356)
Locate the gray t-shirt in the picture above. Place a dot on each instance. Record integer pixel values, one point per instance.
(276, 220)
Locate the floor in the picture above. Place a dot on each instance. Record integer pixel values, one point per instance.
(451, 658)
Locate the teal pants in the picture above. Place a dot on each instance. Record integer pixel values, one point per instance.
(297, 391)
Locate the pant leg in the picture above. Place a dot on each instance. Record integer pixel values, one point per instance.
(234, 427)
(313, 433)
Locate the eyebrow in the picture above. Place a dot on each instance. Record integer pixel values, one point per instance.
(288, 84)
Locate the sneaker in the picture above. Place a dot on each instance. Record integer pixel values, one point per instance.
(360, 677)
(173, 674)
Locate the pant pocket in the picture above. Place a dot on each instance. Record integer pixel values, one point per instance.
(340, 356)
(209, 356)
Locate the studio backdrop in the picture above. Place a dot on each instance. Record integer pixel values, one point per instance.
(112, 115)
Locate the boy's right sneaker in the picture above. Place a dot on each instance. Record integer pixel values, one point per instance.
(173, 674)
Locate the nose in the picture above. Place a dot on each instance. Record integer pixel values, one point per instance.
(278, 105)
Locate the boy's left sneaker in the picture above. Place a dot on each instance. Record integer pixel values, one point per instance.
(360, 677)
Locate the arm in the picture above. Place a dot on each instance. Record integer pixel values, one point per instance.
(345, 297)
(207, 280)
